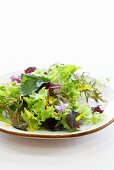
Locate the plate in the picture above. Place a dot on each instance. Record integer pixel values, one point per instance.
(84, 130)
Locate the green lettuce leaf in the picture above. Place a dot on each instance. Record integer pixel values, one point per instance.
(58, 73)
(3, 118)
(30, 119)
(96, 118)
(88, 116)
(63, 75)
(9, 90)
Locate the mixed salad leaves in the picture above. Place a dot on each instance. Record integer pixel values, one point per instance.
(50, 98)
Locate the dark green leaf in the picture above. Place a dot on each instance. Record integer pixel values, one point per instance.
(31, 83)
(22, 126)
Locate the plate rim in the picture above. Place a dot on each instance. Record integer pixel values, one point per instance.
(48, 136)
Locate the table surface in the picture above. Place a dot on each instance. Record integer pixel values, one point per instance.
(39, 33)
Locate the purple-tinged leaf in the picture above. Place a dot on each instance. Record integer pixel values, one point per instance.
(51, 87)
(30, 70)
(51, 124)
(71, 120)
(97, 109)
(15, 79)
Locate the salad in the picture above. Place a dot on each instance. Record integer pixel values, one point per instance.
(56, 98)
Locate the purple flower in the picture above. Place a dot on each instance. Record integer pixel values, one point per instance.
(61, 108)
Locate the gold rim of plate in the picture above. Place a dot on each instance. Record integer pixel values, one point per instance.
(68, 135)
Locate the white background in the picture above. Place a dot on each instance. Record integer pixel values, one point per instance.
(39, 33)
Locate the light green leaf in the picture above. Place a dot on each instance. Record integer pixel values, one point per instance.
(3, 118)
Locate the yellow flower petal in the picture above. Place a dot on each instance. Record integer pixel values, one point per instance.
(50, 100)
(8, 124)
(79, 117)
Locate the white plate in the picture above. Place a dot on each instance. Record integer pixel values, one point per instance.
(109, 112)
